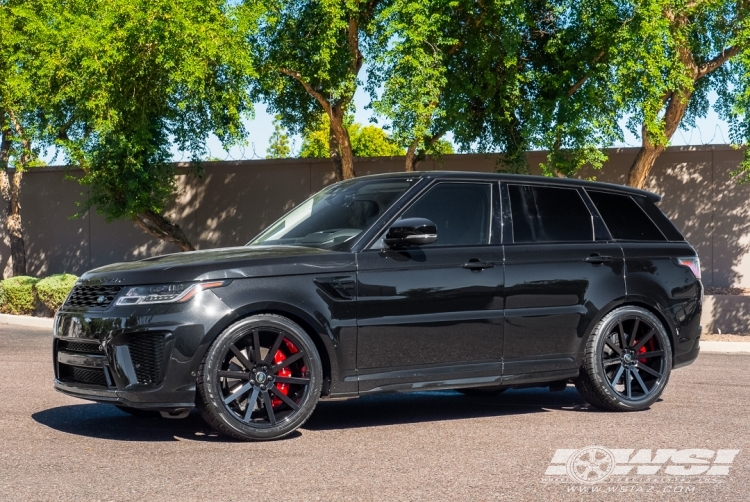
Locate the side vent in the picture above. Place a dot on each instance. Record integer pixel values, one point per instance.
(341, 288)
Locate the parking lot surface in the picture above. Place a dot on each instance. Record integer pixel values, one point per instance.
(421, 447)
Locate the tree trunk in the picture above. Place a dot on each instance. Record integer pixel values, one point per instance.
(10, 187)
(415, 156)
(160, 227)
(677, 104)
(411, 158)
(340, 145)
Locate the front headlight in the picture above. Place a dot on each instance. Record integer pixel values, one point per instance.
(166, 293)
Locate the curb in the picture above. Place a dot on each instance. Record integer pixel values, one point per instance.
(25, 320)
(725, 347)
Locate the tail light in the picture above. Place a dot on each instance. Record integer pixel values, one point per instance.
(693, 263)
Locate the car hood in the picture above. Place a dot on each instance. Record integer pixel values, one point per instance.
(224, 263)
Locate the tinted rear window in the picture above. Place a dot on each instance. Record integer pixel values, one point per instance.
(625, 218)
(544, 214)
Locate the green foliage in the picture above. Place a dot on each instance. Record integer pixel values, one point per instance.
(279, 147)
(367, 141)
(53, 290)
(308, 39)
(135, 79)
(19, 295)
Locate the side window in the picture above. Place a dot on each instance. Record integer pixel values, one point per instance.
(461, 212)
(624, 217)
(544, 214)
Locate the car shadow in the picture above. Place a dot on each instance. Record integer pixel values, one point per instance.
(103, 421)
(414, 407)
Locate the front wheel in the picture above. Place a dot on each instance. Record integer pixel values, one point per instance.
(627, 361)
(260, 380)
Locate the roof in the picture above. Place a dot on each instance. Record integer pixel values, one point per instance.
(524, 178)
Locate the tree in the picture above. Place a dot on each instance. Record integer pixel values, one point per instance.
(668, 57)
(136, 78)
(279, 147)
(653, 62)
(25, 42)
(452, 66)
(310, 54)
(367, 141)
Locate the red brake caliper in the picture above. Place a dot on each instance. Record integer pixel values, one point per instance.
(283, 372)
(643, 349)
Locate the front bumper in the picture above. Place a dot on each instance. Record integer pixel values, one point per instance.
(142, 357)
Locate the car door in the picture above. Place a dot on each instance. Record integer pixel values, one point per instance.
(433, 313)
(561, 269)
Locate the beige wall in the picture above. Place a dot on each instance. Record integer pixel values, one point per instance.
(235, 200)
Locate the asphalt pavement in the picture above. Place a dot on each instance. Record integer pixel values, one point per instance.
(420, 446)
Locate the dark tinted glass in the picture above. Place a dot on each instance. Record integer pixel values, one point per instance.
(624, 217)
(461, 212)
(542, 214)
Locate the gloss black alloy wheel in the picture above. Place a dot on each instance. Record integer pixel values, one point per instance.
(627, 362)
(260, 379)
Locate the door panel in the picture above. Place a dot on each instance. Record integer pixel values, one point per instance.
(434, 313)
(551, 295)
(420, 308)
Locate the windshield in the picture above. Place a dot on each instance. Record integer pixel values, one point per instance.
(336, 214)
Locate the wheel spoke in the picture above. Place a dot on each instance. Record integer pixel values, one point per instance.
(609, 362)
(269, 407)
(238, 375)
(256, 347)
(635, 332)
(623, 343)
(269, 357)
(251, 403)
(241, 358)
(614, 347)
(284, 398)
(628, 389)
(637, 376)
(292, 380)
(649, 355)
(237, 393)
(616, 379)
(286, 362)
(648, 370)
(645, 339)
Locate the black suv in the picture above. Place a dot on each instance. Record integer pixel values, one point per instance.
(389, 283)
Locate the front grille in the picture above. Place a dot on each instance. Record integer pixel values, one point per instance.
(75, 374)
(147, 353)
(99, 297)
(85, 347)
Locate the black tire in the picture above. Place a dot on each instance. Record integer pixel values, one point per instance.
(137, 412)
(233, 372)
(482, 391)
(627, 361)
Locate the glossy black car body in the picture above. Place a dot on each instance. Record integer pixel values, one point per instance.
(494, 313)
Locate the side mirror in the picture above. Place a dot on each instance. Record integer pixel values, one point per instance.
(411, 232)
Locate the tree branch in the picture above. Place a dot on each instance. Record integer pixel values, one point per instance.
(312, 92)
(582, 81)
(716, 62)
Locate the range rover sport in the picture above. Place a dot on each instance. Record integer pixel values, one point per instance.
(391, 283)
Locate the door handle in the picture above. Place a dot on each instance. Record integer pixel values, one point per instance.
(598, 259)
(475, 264)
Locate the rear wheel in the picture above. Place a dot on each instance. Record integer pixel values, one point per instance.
(260, 380)
(627, 362)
